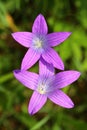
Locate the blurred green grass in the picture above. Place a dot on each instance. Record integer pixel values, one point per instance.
(61, 15)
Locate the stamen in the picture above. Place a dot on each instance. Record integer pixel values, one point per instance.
(44, 85)
(38, 43)
(41, 89)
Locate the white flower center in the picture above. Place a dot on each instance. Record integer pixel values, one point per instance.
(42, 88)
(39, 43)
(45, 85)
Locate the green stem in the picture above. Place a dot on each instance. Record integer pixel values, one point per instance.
(6, 77)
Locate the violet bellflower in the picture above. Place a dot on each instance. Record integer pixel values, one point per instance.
(47, 84)
(39, 43)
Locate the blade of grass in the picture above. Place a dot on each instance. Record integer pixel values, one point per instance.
(40, 123)
(6, 77)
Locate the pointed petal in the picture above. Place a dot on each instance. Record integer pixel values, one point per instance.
(30, 58)
(60, 98)
(23, 38)
(28, 79)
(40, 25)
(36, 102)
(65, 78)
(55, 39)
(45, 68)
(52, 57)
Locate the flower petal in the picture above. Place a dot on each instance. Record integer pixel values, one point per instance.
(56, 38)
(23, 38)
(30, 58)
(36, 102)
(60, 98)
(52, 57)
(65, 78)
(40, 25)
(28, 79)
(45, 68)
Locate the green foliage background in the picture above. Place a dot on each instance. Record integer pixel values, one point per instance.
(61, 15)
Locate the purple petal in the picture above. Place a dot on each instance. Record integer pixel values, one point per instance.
(28, 79)
(40, 25)
(52, 57)
(30, 58)
(36, 102)
(45, 68)
(56, 38)
(23, 38)
(65, 78)
(60, 98)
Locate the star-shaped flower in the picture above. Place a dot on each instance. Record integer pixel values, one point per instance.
(40, 43)
(46, 84)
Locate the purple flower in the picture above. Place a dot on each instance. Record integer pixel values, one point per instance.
(46, 84)
(40, 43)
